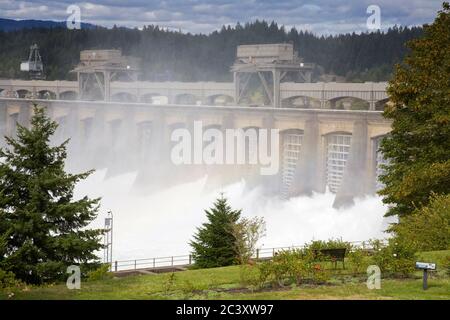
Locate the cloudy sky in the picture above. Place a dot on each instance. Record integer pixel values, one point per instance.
(204, 16)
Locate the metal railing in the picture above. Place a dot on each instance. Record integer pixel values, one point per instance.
(187, 260)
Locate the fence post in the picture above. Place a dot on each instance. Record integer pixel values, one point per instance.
(273, 252)
(172, 261)
(154, 263)
(115, 265)
(135, 265)
(190, 259)
(257, 254)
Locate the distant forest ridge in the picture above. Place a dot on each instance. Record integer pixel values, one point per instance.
(174, 56)
(12, 25)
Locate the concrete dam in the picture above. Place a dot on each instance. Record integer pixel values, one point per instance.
(325, 140)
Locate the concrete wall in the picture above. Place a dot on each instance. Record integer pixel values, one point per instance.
(109, 135)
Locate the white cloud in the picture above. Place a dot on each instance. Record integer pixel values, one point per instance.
(320, 16)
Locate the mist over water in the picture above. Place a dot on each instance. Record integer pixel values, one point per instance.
(162, 224)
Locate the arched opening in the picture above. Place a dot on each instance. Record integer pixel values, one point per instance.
(380, 104)
(68, 95)
(186, 98)
(301, 102)
(348, 103)
(154, 98)
(220, 100)
(291, 145)
(23, 93)
(46, 95)
(337, 154)
(2, 92)
(123, 97)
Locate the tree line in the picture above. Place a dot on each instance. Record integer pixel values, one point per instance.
(169, 55)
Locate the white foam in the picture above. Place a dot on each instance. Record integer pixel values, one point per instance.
(162, 224)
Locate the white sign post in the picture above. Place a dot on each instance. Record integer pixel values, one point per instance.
(425, 266)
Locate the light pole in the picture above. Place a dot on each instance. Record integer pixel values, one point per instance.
(108, 239)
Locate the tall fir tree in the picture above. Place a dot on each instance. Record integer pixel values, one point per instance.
(214, 243)
(44, 228)
(418, 146)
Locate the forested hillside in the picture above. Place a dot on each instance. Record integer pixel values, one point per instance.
(175, 56)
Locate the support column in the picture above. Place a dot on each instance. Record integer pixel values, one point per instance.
(124, 152)
(107, 82)
(3, 122)
(355, 177)
(269, 183)
(224, 174)
(99, 143)
(25, 114)
(236, 88)
(276, 88)
(73, 132)
(155, 173)
(306, 178)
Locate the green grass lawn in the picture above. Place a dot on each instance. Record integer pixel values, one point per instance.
(224, 283)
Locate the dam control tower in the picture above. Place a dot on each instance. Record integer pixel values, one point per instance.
(271, 64)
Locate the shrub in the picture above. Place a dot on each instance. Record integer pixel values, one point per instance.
(250, 276)
(265, 273)
(357, 258)
(101, 273)
(446, 265)
(428, 228)
(247, 232)
(294, 266)
(188, 289)
(329, 244)
(169, 283)
(319, 274)
(397, 258)
(8, 280)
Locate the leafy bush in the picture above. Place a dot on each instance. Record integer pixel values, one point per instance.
(247, 232)
(397, 258)
(319, 274)
(8, 280)
(100, 273)
(428, 228)
(358, 260)
(169, 283)
(446, 265)
(293, 266)
(265, 273)
(329, 244)
(188, 289)
(250, 276)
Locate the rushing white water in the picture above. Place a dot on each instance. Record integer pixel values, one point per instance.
(162, 224)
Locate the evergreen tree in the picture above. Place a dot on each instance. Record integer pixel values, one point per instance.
(418, 146)
(174, 56)
(214, 243)
(42, 225)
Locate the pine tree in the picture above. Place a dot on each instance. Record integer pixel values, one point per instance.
(214, 243)
(44, 227)
(418, 146)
